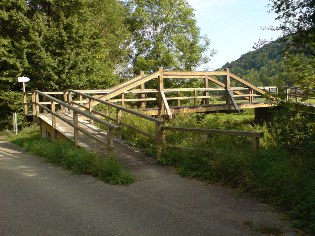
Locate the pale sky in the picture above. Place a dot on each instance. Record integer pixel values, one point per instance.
(233, 26)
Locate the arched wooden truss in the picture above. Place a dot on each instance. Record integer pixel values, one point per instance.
(227, 97)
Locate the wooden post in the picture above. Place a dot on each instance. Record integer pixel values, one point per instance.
(178, 100)
(206, 93)
(251, 92)
(110, 141)
(90, 106)
(37, 105)
(227, 87)
(80, 101)
(25, 103)
(75, 128)
(160, 88)
(159, 137)
(53, 117)
(142, 104)
(91, 109)
(123, 99)
(287, 94)
(65, 99)
(70, 100)
(296, 94)
(195, 99)
(255, 143)
(33, 104)
(118, 121)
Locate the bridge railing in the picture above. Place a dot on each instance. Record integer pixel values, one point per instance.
(297, 94)
(44, 102)
(85, 102)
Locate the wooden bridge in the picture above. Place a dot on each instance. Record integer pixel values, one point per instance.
(168, 93)
(99, 118)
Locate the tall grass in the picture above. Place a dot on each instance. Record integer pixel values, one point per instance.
(78, 160)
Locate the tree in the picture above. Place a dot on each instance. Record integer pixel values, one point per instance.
(296, 16)
(297, 19)
(79, 43)
(14, 37)
(60, 44)
(164, 33)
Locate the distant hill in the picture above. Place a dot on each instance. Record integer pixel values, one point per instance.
(264, 66)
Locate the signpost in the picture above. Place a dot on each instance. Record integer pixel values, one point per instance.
(23, 80)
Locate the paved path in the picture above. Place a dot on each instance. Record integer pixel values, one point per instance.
(38, 198)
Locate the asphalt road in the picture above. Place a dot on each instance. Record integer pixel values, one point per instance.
(38, 198)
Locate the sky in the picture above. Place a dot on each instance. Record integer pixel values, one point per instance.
(233, 26)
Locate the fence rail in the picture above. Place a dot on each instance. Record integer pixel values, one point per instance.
(255, 136)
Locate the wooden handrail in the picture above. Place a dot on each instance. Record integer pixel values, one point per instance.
(254, 135)
(84, 113)
(215, 131)
(191, 74)
(120, 107)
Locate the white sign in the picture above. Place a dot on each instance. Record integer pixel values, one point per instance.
(23, 79)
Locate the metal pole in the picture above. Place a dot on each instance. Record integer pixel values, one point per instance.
(15, 123)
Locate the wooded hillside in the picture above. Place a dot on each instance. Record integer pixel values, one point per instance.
(264, 66)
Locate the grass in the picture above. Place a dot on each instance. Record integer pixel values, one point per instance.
(77, 160)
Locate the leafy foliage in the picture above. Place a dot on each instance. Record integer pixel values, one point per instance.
(59, 44)
(297, 19)
(295, 16)
(164, 33)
